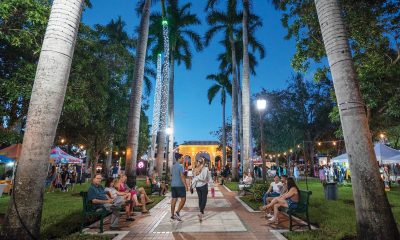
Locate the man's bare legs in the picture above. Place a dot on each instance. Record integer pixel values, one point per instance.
(173, 203)
(181, 204)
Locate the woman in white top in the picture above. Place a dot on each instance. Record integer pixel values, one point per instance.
(200, 182)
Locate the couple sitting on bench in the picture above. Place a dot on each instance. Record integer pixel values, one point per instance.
(287, 199)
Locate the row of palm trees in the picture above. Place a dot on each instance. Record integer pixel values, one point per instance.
(374, 217)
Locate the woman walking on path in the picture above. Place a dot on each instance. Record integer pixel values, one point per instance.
(200, 181)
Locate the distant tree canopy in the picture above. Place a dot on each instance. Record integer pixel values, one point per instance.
(296, 113)
(374, 32)
(97, 98)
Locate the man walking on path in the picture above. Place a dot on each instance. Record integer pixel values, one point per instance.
(178, 189)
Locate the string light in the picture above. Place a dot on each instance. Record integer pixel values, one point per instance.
(334, 143)
(156, 108)
(319, 143)
(157, 98)
(107, 153)
(165, 79)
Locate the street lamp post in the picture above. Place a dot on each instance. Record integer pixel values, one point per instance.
(168, 132)
(261, 106)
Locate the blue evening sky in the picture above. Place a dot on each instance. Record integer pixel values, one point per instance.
(194, 117)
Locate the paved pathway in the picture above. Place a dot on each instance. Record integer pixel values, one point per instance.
(225, 218)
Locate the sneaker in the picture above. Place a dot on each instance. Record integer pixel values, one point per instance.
(177, 216)
(173, 218)
(200, 217)
(269, 215)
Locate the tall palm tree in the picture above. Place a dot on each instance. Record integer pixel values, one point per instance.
(373, 212)
(181, 36)
(224, 85)
(25, 208)
(228, 22)
(246, 151)
(136, 96)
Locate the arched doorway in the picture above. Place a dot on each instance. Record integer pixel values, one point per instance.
(205, 155)
(187, 162)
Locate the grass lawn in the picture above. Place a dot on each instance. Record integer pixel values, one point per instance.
(335, 219)
(62, 212)
(233, 186)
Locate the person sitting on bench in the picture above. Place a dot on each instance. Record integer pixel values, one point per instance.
(289, 200)
(99, 199)
(247, 180)
(274, 190)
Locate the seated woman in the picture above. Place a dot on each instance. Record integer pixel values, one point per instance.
(113, 193)
(135, 193)
(274, 189)
(158, 185)
(247, 180)
(289, 200)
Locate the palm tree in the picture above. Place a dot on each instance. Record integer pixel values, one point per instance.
(25, 209)
(228, 22)
(373, 213)
(136, 96)
(180, 21)
(246, 151)
(224, 85)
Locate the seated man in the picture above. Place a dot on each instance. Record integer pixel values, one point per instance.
(247, 180)
(99, 198)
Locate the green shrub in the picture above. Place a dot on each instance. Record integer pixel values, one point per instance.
(258, 190)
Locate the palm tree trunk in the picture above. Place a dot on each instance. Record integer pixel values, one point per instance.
(156, 115)
(109, 156)
(136, 97)
(223, 126)
(25, 208)
(373, 213)
(240, 114)
(171, 155)
(246, 92)
(234, 111)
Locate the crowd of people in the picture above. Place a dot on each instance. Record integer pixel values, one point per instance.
(63, 177)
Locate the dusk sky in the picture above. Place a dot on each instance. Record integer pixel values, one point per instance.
(194, 117)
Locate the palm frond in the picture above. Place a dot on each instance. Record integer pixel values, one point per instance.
(212, 91)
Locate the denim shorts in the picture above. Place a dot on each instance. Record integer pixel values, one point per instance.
(291, 204)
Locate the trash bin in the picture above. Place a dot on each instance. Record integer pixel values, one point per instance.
(330, 189)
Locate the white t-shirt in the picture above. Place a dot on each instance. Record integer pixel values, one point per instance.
(190, 173)
(276, 187)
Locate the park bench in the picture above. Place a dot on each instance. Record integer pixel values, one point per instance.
(248, 188)
(89, 211)
(302, 208)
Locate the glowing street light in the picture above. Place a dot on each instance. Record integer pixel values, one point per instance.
(261, 106)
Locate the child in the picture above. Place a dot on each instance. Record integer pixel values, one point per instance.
(212, 188)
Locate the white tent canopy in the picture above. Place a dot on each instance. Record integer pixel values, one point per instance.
(384, 154)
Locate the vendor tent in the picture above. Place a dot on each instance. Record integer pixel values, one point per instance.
(5, 159)
(384, 154)
(12, 151)
(59, 156)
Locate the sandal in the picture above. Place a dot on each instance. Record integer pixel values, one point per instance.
(130, 219)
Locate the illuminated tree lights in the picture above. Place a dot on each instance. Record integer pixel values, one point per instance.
(165, 80)
(156, 112)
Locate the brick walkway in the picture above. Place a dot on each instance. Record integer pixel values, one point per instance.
(225, 218)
